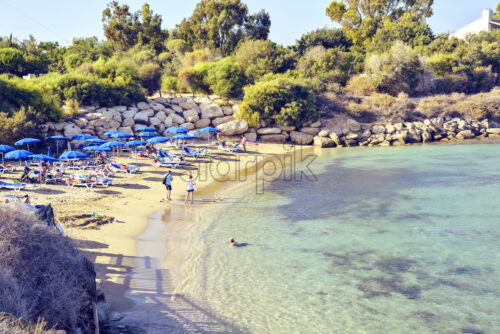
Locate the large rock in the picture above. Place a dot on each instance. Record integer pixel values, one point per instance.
(301, 138)
(465, 134)
(141, 117)
(310, 131)
(71, 130)
(120, 109)
(93, 115)
(323, 142)
(188, 104)
(228, 111)
(128, 122)
(154, 121)
(168, 122)
(187, 126)
(390, 129)
(235, 127)
(273, 138)
(191, 115)
(211, 111)
(81, 122)
(149, 112)
(98, 122)
(217, 121)
(202, 123)
(157, 107)
(129, 113)
(335, 138)
(113, 124)
(324, 133)
(177, 108)
(126, 129)
(286, 128)
(353, 125)
(161, 116)
(142, 105)
(269, 131)
(251, 136)
(109, 114)
(316, 124)
(378, 129)
(177, 119)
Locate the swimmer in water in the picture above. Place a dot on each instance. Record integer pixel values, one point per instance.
(233, 243)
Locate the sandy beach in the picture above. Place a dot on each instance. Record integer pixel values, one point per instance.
(139, 262)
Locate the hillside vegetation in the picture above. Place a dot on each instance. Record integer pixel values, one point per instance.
(383, 49)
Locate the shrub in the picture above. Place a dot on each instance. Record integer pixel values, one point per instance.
(50, 276)
(223, 77)
(11, 61)
(169, 83)
(281, 100)
(361, 85)
(149, 75)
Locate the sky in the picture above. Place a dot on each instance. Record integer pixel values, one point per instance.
(61, 20)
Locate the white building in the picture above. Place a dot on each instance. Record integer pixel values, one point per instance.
(485, 23)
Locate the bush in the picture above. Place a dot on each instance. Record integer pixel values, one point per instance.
(48, 277)
(11, 61)
(18, 124)
(283, 101)
(149, 75)
(361, 85)
(169, 83)
(223, 78)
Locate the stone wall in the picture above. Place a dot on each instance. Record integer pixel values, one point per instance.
(199, 112)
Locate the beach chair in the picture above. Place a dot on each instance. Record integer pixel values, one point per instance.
(235, 148)
(12, 186)
(7, 169)
(79, 181)
(103, 181)
(160, 162)
(196, 154)
(81, 166)
(125, 168)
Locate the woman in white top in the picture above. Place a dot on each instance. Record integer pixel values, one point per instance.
(190, 189)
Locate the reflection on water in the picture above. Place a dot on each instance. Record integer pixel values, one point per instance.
(396, 240)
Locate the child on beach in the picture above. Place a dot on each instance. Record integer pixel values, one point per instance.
(190, 189)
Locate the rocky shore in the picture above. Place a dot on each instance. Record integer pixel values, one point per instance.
(202, 111)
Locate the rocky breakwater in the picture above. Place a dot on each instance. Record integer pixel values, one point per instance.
(351, 133)
(159, 113)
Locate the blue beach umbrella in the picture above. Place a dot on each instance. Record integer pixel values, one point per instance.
(57, 138)
(209, 129)
(135, 143)
(108, 133)
(103, 149)
(82, 137)
(96, 141)
(19, 155)
(43, 157)
(175, 129)
(147, 135)
(120, 135)
(90, 148)
(184, 137)
(158, 139)
(146, 128)
(27, 141)
(73, 155)
(5, 149)
(111, 144)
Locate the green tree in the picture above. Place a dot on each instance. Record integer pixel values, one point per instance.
(221, 24)
(283, 101)
(120, 26)
(326, 37)
(150, 32)
(223, 78)
(497, 12)
(11, 61)
(259, 57)
(360, 19)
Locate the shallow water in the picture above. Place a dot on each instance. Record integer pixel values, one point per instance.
(387, 240)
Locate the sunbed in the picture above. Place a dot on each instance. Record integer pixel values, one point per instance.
(13, 186)
(235, 148)
(78, 182)
(125, 168)
(196, 154)
(103, 181)
(160, 162)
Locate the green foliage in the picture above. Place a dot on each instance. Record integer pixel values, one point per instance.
(125, 29)
(84, 50)
(150, 75)
(259, 57)
(281, 100)
(223, 78)
(221, 24)
(169, 83)
(394, 71)
(442, 64)
(11, 61)
(361, 19)
(497, 12)
(326, 37)
(18, 124)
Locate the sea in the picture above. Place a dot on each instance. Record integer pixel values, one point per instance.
(366, 240)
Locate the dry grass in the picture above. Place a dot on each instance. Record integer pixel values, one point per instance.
(12, 325)
(41, 274)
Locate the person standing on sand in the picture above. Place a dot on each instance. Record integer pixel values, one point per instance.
(244, 143)
(167, 181)
(190, 189)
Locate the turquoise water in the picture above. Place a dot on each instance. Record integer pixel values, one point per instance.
(387, 240)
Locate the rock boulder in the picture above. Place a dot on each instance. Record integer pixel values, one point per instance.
(301, 138)
(235, 127)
